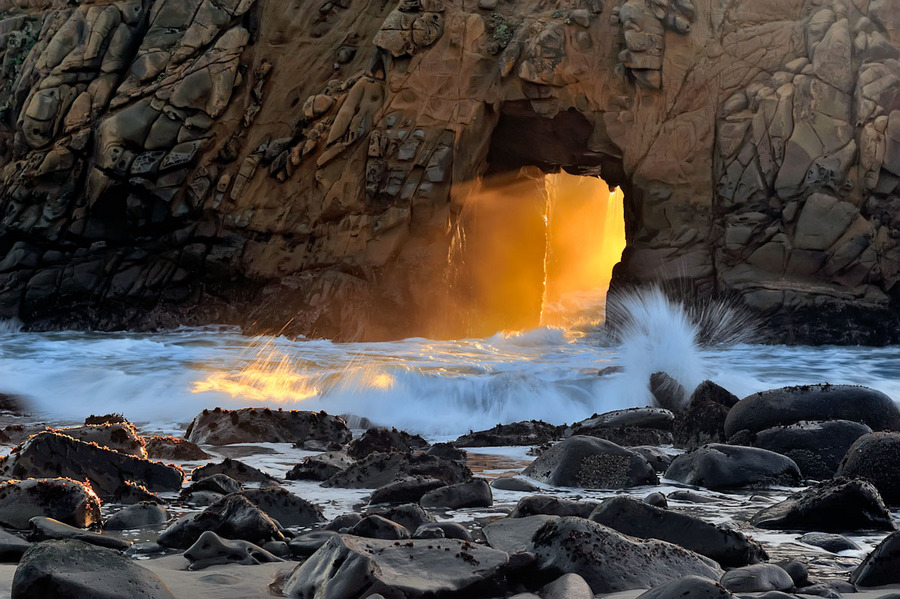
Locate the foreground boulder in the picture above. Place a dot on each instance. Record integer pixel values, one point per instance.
(233, 517)
(530, 432)
(51, 454)
(717, 466)
(77, 569)
(789, 405)
(383, 440)
(638, 519)
(347, 566)
(379, 469)
(120, 436)
(609, 561)
(816, 447)
(704, 420)
(65, 500)
(757, 578)
(880, 567)
(263, 425)
(587, 462)
(835, 505)
(45, 529)
(874, 457)
(692, 587)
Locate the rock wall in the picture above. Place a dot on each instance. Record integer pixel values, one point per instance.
(266, 162)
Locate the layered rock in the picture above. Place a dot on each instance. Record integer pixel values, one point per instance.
(163, 162)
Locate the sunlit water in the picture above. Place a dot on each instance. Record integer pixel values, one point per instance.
(437, 388)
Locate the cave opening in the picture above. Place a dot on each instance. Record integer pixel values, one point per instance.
(537, 235)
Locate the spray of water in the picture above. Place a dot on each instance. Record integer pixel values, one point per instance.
(10, 326)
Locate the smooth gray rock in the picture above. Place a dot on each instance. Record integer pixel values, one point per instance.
(65, 500)
(447, 530)
(874, 457)
(717, 466)
(308, 543)
(473, 493)
(834, 505)
(567, 586)
(657, 418)
(514, 483)
(139, 515)
(378, 527)
(829, 541)
(587, 462)
(881, 566)
(212, 550)
(12, 547)
(410, 515)
(285, 507)
(639, 519)
(656, 456)
(513, 535)
(657, 499)
(577, 545)
(789, 405)
(233, 517)
(347, 566)
(76, 569)
(552, 506)
(46, 529)
(757, 578)
(692, 587)
(262, 425)
(405, 490)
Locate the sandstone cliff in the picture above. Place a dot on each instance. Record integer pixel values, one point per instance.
(257, 161)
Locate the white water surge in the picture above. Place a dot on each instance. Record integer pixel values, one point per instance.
(437, 388)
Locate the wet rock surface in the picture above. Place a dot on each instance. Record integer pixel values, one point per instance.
(212, 550)
(173, 449)
(233, 517)
(704, 420)
(589, 462)
(321, 467)
(533, 432)
(881, 566)
(45, 529)
(234, 469)
(473, 493)
(379, 469)
(63, 499)
(873, 458)
(757, 578)
(717, 466)
(250, 425)
(383, 440)
(139, 515)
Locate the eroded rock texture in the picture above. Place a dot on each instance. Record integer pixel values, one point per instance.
(252, 161)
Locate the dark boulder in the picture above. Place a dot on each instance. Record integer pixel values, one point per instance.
(789, 405)
(830, 542)
(344, 522)
(285, 507)
(130, 493)
(567, 586)
(656, 418)
(513, 535)
(379, 527)
(405, 490)
(215, 483)
(379, 469)
(717, 466)
(139, 515)
(173, 448)
(638, 519)
(473, 493)
(263, 425)
(588, 462)
(235, 469)
(448, 530)
(121, 437)
(347, 566)
(320, 467)
(657, 456)
(657, 499)
(757, 578)
(688, 587)
(304, 545)
(77, 569)
(383, 440)
(816, 447)
(212, 550)
(668, 393)
(881, 566)
(410, 515)
(46, 529)
(531, 432)
(577, 545)
(687, 496)
(704, 420)
(447, 451)
(514, 483)
(834, 505)
(65, 500)
(233, 517)
(12, 547)
(50, 454)
(549, 505)
(874, 457)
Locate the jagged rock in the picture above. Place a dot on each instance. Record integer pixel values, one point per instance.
(379, 469)
(638, 519)
(757, 578)
(215, 483)
(12, 547)
(576, 545)
(382, 440)
(790, 405)
(405, 490)
(320, 467)
(44, 529)
(704, 420)
(63, 499)
(513, 535)
(447, 451)
(72, 568)
(840, 504)
(285, 507)
(173, 448)
(816, 447)
(346, 566)
(52, 454)
(532, 432)
(121, 437)
(695, 587)
(233, 517)
(831, 542)
(873, 457)
(130, 493)
(234, 469)
(379, 527)
(473, 493)
(212, 550)
(250, 425)
(139, 515)
(553, 506)
(717, 466)
(589, 462)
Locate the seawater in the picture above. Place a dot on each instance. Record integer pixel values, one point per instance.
(436, 388)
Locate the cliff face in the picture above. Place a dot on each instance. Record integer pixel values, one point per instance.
(188, 161)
